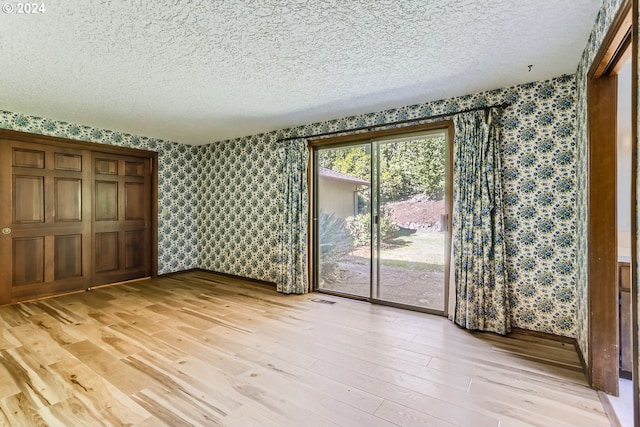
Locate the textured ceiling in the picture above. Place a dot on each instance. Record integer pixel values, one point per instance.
(201, 71)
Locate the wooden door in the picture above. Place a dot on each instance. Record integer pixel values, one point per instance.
(45, 220)
(121, 217)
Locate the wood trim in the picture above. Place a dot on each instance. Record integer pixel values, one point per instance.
(364, 136)
(583, 362)
(176, 273)
(124, 282)
(342, 295)
(231, 276)
(71, 143)
(623, 55)
(543, 335)
(610, 47)
(395, 124)
(154, 213)
(608, 409)
(602, 247)
(45, 297)
(449, 207)
(634, 212)
(5, 218)
(311, 238)
(603, 332)
(557, 338)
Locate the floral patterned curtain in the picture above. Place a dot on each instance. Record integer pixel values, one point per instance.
(292, 275)
(482, 301)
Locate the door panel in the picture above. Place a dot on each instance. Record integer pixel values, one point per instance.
(106, 201)
(107, 247)
(134, 201)
(68, 162)
(106, 166)
(68, 199)
(44, 235)
(28, 260)
(28, 203)
(134, 168)
(343, 215)
(28, 158)
(134, 251)
(122, 215)
(412, 233)
(68, 256)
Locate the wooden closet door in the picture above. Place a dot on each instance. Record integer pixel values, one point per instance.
(45, 220)
(121, 217)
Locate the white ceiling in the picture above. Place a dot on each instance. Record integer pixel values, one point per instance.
(200, 71)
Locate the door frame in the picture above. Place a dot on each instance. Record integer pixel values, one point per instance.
(603, 314)
(104, 148)
(346, 140)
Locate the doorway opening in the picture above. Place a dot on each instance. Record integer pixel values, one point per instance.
(382, 214)
(612, 214)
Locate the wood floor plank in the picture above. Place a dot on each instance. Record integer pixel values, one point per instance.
(8, 384)
(37, 383)
(200, 349)
(403, 416)
(177, 408)
(105, 401)
(7, 340)
(513, 378)
(520, 394)
(145, 341)
(118, 373)
(227, 362)
(40, 343)
(171, 376)
(454, 412)
(304, 395)
(106, 338)
(18, 410)
(353, 396)
(316, 420)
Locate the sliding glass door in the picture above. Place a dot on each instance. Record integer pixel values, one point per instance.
(343, 218)
(382, 220)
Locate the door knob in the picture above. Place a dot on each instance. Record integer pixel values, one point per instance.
(6, 230)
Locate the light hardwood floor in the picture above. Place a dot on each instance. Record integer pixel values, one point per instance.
(202, 349)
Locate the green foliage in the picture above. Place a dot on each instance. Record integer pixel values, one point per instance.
(335, 243)
(406, 168)
(354, 161)
(360, 227)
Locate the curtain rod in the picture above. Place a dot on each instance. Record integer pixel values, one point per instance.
(400, 122)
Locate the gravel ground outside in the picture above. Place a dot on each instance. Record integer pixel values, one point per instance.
(412, 265)
(401, 285)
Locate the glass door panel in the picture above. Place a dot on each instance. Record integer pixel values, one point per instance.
(343, 214)
(411, 221)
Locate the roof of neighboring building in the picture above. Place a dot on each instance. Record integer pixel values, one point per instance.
(337, 176)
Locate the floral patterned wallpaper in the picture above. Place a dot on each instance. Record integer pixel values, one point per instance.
(238, 215)
(176, 178)
(600, 28)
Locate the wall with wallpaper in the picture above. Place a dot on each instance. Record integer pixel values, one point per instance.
(600, 28)
(176, 178)
(238, 215)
